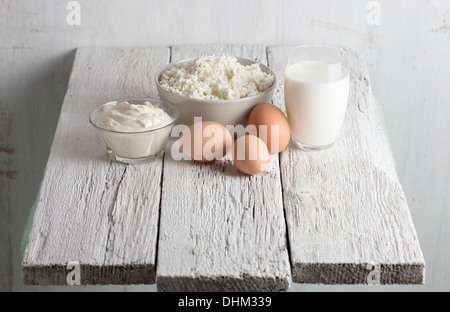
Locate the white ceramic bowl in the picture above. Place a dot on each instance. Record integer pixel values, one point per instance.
(226, 112)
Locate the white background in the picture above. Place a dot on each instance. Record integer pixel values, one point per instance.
(408, 58)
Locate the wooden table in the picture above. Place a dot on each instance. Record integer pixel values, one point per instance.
(334, 217)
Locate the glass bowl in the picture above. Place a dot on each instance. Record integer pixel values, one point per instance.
(135, 147)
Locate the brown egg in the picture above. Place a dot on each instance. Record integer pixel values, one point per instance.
(271, 126)
(205, 141)
(250, 154)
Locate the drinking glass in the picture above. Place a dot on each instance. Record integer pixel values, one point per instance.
(316, 89)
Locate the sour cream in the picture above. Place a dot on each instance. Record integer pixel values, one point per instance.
(127, 117)
(134, 132)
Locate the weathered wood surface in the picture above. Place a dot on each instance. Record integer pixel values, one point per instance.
(347, 216)
(221, 230)
(101, 214)
(344, 209)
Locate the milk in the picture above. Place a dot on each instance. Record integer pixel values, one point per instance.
(316, 96)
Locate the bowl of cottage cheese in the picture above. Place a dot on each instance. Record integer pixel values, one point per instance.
(222, 88)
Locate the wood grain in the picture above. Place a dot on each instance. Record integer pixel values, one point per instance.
(31, 94)
(345, 208)
(100, 213)
(221, 230)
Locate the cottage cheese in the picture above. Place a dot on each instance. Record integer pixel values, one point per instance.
(216, 78)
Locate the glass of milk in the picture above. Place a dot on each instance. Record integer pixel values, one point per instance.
(316, 89)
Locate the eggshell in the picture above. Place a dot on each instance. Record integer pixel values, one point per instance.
(250, 154)
(271, 125)
(205, 141)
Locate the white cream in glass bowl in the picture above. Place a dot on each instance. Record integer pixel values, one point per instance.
(134, 130)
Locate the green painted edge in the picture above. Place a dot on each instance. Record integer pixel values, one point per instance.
(383, 125)
(26, 232)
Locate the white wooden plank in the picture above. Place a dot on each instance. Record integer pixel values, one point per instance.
(221, 230)
(31, 94)
(345, 208)
(101, 214)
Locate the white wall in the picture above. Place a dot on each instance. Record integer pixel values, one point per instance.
(407, 56)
